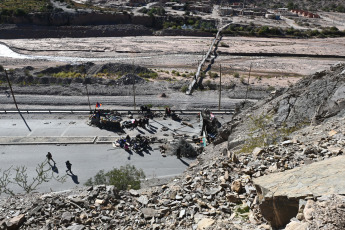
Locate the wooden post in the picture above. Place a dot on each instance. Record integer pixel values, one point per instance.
(14, 99)
(220, 85)
(87, 93)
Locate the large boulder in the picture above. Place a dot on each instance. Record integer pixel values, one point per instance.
(279, 193)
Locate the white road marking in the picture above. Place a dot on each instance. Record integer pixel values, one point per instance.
(64, 132)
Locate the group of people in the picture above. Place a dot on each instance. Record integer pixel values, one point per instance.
(171, 113)
(68, 164)
(137, 144)
(134, 123)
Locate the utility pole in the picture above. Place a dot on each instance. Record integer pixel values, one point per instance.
(220, 85)
(133, 86)
(250, 69)
(87, 92)
(14, 99)
(134, 94)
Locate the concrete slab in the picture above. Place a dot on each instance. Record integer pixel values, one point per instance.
(45, 140)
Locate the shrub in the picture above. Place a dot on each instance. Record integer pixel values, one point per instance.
(270, 89)
(213, 75)
(184, 88)
(152, 75)
(236, 75)
(127, 177)
(243, 81)
(223, 44)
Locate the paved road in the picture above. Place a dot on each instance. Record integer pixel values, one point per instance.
(175, 100)
(61, 125)
(86, 161)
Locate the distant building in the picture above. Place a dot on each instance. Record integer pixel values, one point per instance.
(201, 8)
(305, 14)
(270, 16)
(178, 6)
(137, 2)
(226, 11)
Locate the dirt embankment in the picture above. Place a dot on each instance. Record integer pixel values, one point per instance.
(88, 24)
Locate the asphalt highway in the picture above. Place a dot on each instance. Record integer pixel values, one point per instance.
(20, 147)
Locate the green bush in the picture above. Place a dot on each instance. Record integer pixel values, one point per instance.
(152, 75)
(236, 75)
(213, 75)
(223, 44)
(127, 177)
(243, 81)
(184, 88)
(67, 75)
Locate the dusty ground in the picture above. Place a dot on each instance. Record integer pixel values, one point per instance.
(181, 54)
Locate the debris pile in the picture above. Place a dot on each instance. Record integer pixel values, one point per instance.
(129, 79)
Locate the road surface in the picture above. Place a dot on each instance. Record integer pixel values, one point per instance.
(86, 159)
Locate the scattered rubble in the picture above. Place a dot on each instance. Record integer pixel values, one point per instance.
(221, 189)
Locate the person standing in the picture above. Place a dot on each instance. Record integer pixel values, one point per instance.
(69, 167)
(50, 157)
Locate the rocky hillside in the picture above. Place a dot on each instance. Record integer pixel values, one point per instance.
(294, 182)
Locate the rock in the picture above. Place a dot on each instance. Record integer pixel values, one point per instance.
(281, 191)
(133, 192)
(99, 202)
(235, 159)
(178, 197)
(149, 212)
(76, 227)
(182, 213)
(226, 175)
(233, 198)
(335, 150)
(67, 217)
(257, 174)
(300, 216)
(143, 200)
(236, 186)
(257, 152)
(294, 225)
(273, 168)
(205, 223)
(15, 222)
(288, 142)
(308, 210)
(332, 133)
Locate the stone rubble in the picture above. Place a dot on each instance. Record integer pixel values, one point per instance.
(215, 192)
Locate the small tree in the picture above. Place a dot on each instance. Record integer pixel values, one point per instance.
(123, 178)
(44, 174)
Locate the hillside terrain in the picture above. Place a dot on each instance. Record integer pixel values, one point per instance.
(233, 183)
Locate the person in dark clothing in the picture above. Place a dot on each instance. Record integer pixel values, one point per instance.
(178, 153)
(128, 139)
(50, 157)
(69, 167)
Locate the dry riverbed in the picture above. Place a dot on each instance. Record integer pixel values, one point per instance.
(180, 52)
